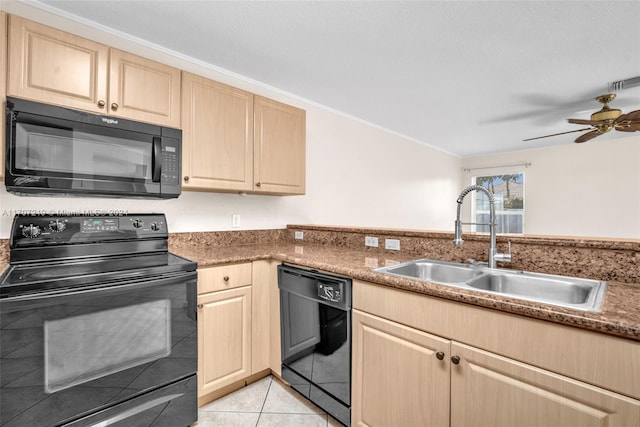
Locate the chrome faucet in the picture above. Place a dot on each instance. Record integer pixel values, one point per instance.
(493, 251)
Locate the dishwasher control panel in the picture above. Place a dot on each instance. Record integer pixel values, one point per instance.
(330, 291)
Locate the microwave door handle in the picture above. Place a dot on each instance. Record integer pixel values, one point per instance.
(156, 161)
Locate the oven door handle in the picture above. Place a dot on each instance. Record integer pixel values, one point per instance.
(156, 159)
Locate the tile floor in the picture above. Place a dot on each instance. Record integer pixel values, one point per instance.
(264, 403)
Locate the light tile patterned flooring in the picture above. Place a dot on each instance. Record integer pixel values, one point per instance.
(264, 403)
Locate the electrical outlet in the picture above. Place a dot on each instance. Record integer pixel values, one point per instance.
(371, 241)
(235, 221)
(393, 244)
(299, 235)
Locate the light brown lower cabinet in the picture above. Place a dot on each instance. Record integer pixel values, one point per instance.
(224, 338)
(406, 377)
(397, 380)
(234, 326)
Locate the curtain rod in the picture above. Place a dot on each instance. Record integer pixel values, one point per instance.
(525, 164)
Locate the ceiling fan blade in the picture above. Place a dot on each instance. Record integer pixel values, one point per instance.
(628, 127)
(589, 135)
(556, 134)
(584, 122)
(632, 115)
(629, 122)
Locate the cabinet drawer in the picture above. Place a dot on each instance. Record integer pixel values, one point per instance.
(211, 279)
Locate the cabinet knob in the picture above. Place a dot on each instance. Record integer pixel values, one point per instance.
(455, 359)
(114, 106)
(200, 306)
(225, 278)
(258, 184)
(440, 355)
(101, 103)
(186, 179)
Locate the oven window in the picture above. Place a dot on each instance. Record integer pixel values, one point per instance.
(89, 346)
(63, 151)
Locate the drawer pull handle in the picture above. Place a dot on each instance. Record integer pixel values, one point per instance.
(200, 306)
(440, 355)
(114, 106)
(225, 278)
(101, 103)
(186, 179)
(455, 359)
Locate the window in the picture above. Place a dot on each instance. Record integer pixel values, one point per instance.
(508, 191)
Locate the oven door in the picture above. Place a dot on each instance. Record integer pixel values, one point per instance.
(55, 150)
(65, 356)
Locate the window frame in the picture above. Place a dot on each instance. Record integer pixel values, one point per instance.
(474, 211)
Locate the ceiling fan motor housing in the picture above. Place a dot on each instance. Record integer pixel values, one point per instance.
(606, 113)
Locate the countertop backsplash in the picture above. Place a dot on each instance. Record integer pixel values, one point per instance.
(601, 259)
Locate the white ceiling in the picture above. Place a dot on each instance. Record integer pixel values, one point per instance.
(469, 77)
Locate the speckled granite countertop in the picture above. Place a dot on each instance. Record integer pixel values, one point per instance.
(619, 316)
(334, 250)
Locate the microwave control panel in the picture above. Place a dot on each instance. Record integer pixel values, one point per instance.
(170, 161)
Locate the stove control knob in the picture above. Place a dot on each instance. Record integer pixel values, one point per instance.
(137, 223)
(57, 226)
(155, 226)
(31, 231)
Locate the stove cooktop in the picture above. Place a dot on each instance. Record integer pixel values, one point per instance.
(50, 253)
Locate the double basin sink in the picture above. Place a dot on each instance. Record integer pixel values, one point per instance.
(570, 292)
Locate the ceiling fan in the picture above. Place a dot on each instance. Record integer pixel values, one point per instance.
(603, 121)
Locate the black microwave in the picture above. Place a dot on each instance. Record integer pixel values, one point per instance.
(58, 151)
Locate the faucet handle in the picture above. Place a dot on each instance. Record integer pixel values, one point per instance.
(504, 257)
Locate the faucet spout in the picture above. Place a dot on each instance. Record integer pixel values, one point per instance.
(457, 239)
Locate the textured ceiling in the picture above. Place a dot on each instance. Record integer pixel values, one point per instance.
(469, 77)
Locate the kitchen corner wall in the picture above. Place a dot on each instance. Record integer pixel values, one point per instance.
(357, 174)
(590, 189)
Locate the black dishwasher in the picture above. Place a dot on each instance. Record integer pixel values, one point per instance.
(315, 318)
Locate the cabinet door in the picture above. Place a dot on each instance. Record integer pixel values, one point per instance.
(224, 338)
(217, 136)
(398, 379)
(3, 87)
(55, 67)
(490, 390)
(280, 138)
(144, 90)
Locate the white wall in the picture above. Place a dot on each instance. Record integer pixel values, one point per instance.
(590, 189)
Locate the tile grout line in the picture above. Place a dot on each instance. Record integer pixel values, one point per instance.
(266, 395)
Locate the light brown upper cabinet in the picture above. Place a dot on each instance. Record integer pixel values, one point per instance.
(59, 68)
(217, 133)
(236, 141)
(3, 85)
(279, 147)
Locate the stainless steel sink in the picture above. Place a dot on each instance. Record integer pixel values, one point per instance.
(571, 292)
(564, 291)
(442, 272)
